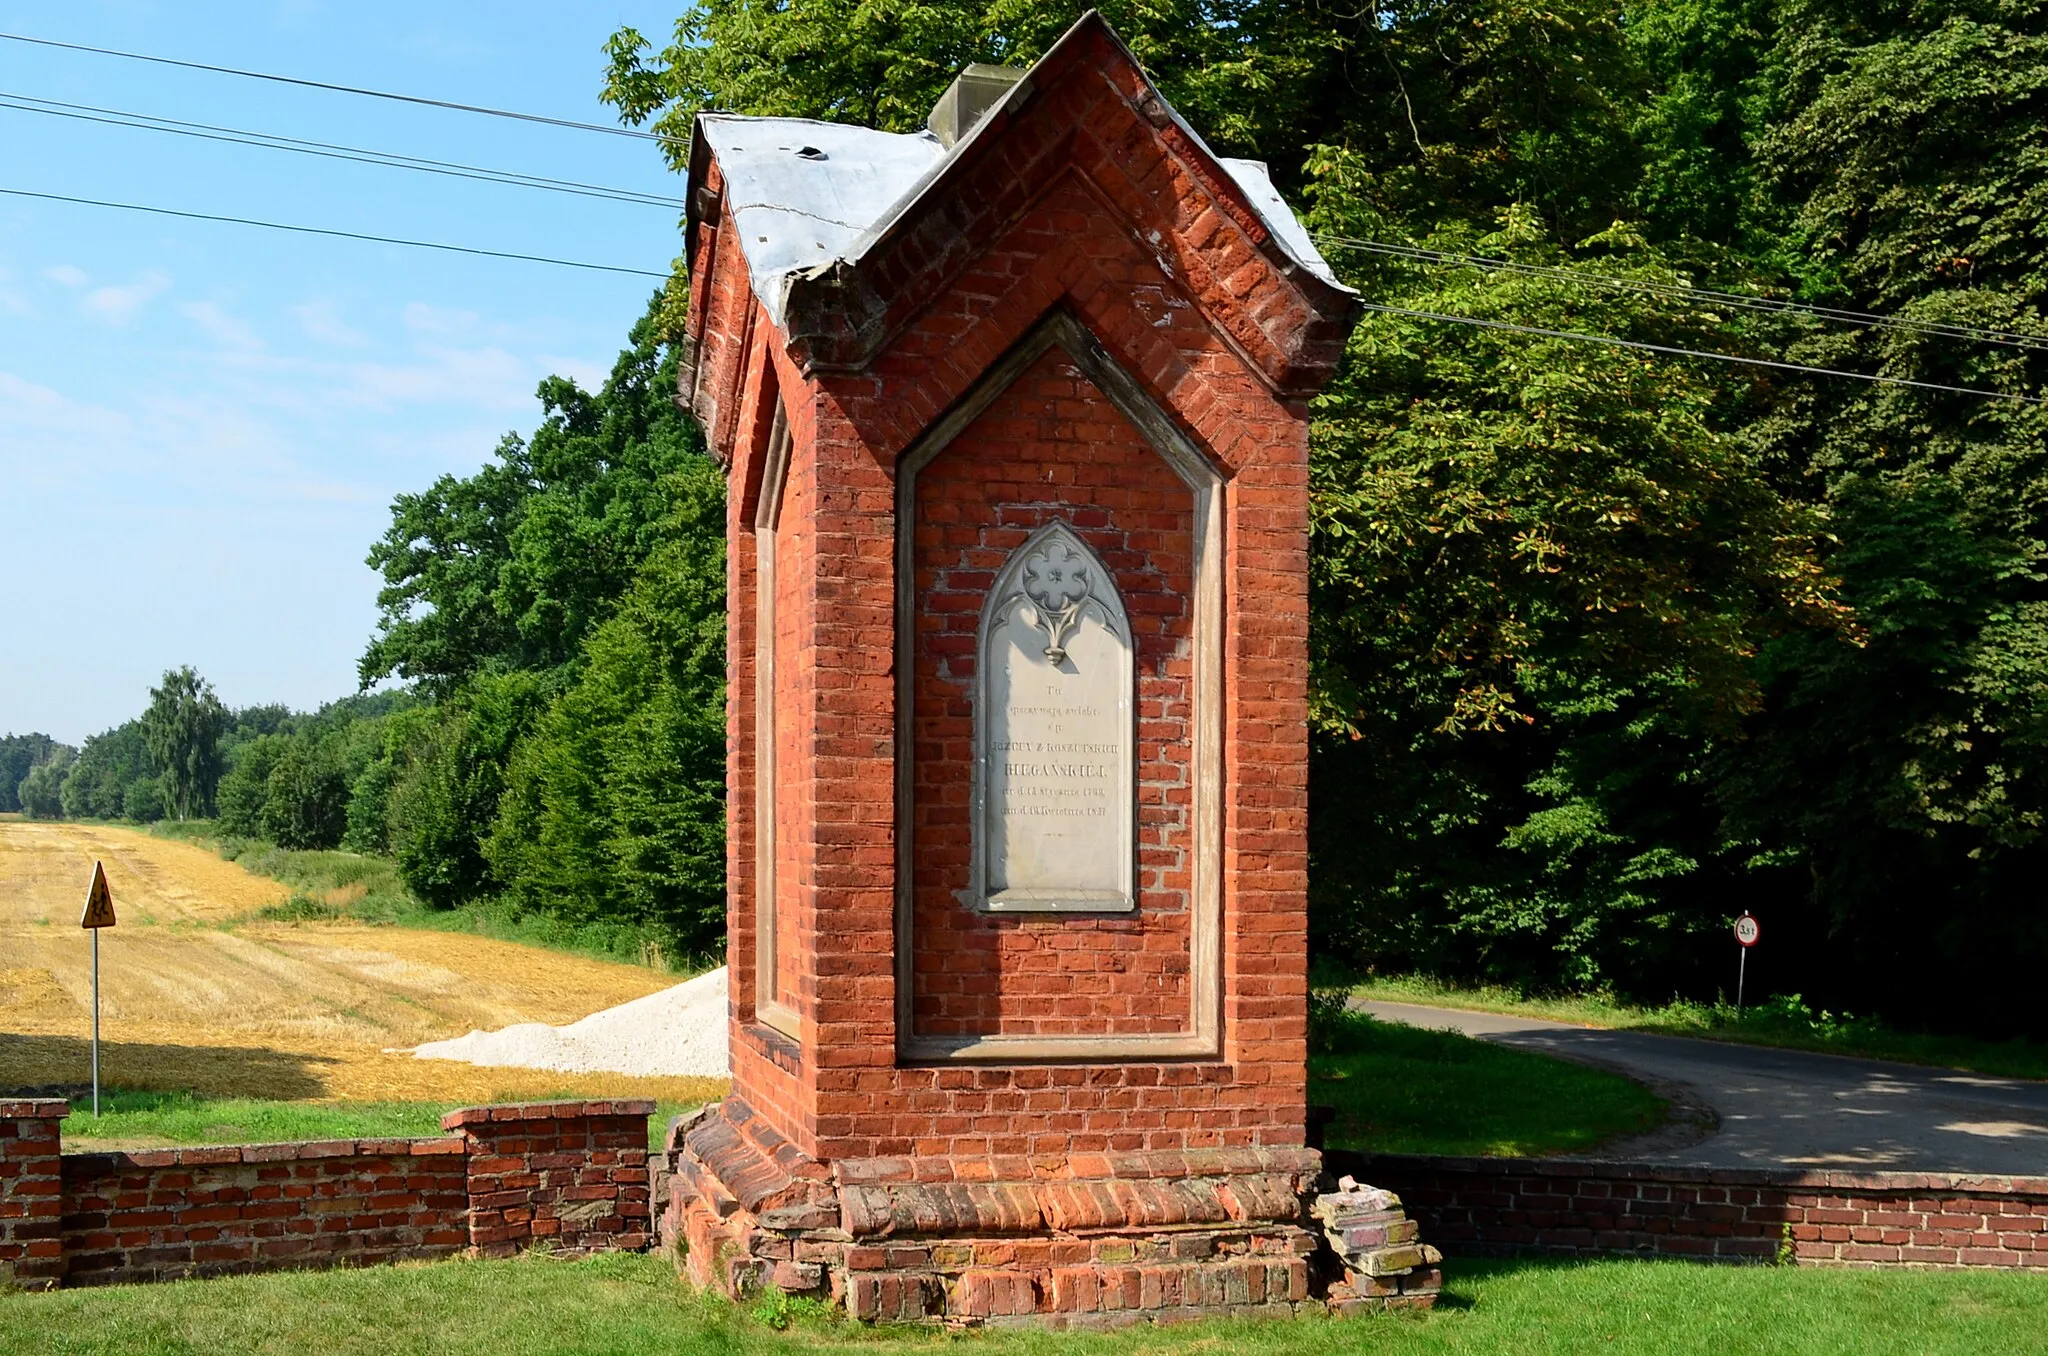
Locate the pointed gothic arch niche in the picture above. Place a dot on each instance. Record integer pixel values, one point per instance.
(1055, 737)
(1200, 1035)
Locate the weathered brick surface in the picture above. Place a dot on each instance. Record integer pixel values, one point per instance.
(31, 1194)
(569, 1175)
(162, 1214)
(1475, 1205)
(1052, 448)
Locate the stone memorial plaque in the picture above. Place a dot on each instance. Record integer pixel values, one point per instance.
(1054, 735)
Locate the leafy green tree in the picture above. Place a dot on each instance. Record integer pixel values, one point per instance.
(306, 800)
(96, 786)
(183, 727)
(1461, 107)
(244, 791)
(448, 768)
(369, 808)
(1540, 573)
(19, 753)
(142, 800)
(40, 793)
(614, 803)
(511, 567)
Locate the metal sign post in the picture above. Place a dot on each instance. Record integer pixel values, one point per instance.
(1746, 933)
(99, 913)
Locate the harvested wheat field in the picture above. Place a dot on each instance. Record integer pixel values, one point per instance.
(321, 1011)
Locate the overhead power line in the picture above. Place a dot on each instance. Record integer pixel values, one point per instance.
(338, 234)
(1680, 291)
(1670, 350)
(1673, 350)
(149, 122)
(346, 89)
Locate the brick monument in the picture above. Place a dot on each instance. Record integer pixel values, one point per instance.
(1014, 412)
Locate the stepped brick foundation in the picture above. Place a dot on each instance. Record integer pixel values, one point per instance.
(1482, 1206)
(571, 1176)
(1084, 1240)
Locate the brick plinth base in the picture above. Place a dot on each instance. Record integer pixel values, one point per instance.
(1073, 1240)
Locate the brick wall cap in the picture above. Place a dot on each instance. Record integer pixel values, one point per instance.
(213, 1155)
(542, 1111)
(35, 1109)
(1816, 1178)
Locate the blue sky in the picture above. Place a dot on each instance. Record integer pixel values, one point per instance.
(202, 426)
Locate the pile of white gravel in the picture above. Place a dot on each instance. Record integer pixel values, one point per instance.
(676, 1031)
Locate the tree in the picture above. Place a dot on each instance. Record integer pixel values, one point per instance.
(511, 567)
(18, 754)
(41, 791)
(614, 802)
(97, 785)
(448, 771)
(244, 790)
(1539, 575)
(306, 800)
(183, 727)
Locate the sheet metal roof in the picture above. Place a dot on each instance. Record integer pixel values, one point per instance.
(805, 193)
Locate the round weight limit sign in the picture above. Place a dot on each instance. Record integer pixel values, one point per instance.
(1746, 933)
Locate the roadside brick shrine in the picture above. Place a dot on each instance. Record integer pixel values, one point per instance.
(1015, 417)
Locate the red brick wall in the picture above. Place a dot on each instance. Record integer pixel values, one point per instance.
(161, 1214)
(1068, 250)
(572, 1175)
(1052, 447)
(31, 1194)
(1479, 1205)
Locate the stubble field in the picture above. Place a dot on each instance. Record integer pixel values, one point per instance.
(199, 993)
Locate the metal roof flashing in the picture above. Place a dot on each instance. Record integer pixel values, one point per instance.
(805, 195)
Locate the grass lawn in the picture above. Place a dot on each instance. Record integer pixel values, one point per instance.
(622, 1304)
(149, 1120)
(1782, 1022)
(1399, 1089)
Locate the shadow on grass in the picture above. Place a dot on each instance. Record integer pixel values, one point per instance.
(62, 1066)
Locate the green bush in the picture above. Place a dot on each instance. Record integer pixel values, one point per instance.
(305, 799)
(143, 800)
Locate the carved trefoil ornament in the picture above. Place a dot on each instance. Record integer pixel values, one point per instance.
(1055, 736)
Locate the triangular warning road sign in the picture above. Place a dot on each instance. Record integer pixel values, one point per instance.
(99, 901)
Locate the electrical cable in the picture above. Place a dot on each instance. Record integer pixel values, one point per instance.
(1867, 319)
(328, 231)
(347, 89)
(149, 122)
(1673, 350)
(1536, 331)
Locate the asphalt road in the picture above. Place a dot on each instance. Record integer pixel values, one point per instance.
(1788, 1108)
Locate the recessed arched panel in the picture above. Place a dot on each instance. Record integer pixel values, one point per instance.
(1051, 615)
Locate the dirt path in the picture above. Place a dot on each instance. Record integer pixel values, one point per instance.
(190, 999)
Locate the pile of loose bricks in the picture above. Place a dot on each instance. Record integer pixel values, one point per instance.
(569, 1176)
(1075, 1240)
